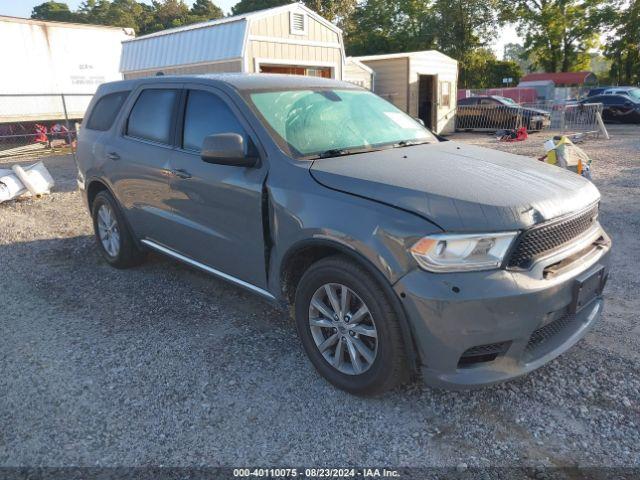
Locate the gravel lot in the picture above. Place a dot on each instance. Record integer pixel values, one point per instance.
(163, 365)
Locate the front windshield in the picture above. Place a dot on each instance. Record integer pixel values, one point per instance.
(328, 122)
(635, 94)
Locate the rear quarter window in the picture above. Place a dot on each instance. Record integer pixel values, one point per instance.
(105, 111)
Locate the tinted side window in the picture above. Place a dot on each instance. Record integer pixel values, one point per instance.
(206, 114)
(488, 101)
(612, 99)
(105, 111)
(467, 101)
(151, 116)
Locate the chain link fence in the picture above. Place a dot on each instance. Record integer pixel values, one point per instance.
(39, 124)
(567, 119)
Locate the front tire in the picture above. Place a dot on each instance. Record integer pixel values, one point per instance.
(115, 241)
(349, 329)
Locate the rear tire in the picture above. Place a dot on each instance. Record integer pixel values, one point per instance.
(115, 241)
(366, 365)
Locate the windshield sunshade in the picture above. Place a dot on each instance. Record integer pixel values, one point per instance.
(310, 123)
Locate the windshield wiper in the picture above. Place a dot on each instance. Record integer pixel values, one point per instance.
(408, 143)
(341, 152)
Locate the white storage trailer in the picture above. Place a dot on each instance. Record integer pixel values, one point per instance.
(423, 84)
(51, 58)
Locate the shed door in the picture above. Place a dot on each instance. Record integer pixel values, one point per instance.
(428, 100)
(324, 72)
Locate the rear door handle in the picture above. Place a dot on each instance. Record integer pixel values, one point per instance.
(113, 156)
(181, 173)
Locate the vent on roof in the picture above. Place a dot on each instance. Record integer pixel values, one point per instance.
(298, 23)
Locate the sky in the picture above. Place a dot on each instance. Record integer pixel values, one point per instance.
(22, 8)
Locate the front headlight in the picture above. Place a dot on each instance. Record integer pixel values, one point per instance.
(462, 252)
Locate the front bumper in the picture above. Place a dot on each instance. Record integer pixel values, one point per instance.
(521, 314)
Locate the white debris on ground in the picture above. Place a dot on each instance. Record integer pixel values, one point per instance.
(34, 180)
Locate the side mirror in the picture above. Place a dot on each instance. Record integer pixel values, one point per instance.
(227, 149)
(420, 121)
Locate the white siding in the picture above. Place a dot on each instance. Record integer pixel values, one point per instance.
(391, 79)
(358, 73)
(446, 70)
(397, 79)
(276, 53)
(207, 44)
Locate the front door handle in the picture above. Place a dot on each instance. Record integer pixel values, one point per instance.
(181, 173)
(113, 156)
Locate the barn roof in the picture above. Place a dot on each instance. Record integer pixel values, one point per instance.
(562, 78)
(421, 53)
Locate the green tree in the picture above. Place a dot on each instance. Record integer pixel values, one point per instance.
(558, 33)
(464, 26)
(119, 13)
(389, 26)
(54, 11)
(203, 10)
(464, 30)
(168, 14)
(623, 45)
(336, 11)
(247, 6)
(497, 70)
(516, 52)
(483, 70)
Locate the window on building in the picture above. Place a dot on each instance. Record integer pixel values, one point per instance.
(206, 114)
(445, 94)
(106, 110)
(152, 116)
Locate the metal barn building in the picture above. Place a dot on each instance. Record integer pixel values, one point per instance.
(423, 84)
(290, 39)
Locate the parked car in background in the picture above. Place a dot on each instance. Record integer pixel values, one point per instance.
(399, 254)
(617, 108)
(632, 92)
(597, 91)
(495, 113)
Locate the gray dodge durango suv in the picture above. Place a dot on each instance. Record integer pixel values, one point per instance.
(400, 254)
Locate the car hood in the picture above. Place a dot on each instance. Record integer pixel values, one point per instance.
(460, 187)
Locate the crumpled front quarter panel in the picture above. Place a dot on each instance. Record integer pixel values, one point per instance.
(303, 212)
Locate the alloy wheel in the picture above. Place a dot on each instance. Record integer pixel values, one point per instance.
(108, 230)
(343, 329)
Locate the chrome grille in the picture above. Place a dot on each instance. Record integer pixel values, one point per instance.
(549, 236)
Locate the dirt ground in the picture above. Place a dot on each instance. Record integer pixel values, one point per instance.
(163, 365)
